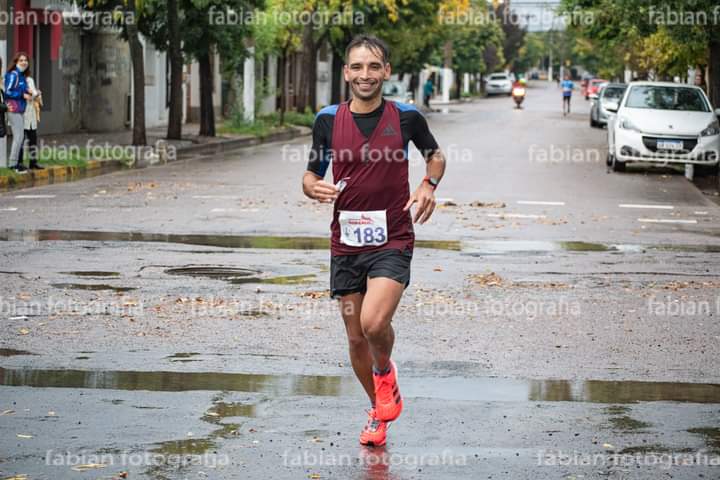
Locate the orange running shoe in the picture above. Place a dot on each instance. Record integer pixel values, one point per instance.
(388, 401)
(375, 432)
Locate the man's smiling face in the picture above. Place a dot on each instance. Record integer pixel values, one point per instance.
(365, 71)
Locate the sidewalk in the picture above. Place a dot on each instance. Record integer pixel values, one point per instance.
(118, 146)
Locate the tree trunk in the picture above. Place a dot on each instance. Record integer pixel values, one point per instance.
(335, 81)
(714, 73)
(138, 62)
(176, 72)
(307, 63)
(282, 82)
(207, 114)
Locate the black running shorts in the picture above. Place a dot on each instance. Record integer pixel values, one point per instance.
(349, 273)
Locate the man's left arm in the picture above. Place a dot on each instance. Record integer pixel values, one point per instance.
(424, 195)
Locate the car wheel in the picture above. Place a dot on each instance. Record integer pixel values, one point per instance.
(593, 123)
(609, 160)
(617, 165)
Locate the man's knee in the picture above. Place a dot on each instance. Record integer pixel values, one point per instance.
(374, 326)
(357, 342)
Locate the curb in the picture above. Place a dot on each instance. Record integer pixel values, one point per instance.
(55, 174)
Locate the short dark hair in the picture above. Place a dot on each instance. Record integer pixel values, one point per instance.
(370, 42)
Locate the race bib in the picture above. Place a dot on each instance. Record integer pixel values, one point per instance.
(360, 229)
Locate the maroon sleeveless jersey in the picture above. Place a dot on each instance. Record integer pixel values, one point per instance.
(375, 171)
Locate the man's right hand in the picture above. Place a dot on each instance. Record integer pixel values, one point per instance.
(324, 192)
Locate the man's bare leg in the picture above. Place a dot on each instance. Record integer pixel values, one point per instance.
(378, 306)
(360, 358)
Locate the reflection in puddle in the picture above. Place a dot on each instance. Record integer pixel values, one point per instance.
(451, 388)
(11, 352)
(239, 276)
(92, 273)
(711, 436)
(474, 248)
(91, 287)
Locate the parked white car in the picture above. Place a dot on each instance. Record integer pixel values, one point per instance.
(498, 83)
(663, 123)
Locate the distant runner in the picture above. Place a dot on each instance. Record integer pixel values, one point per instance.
(372, 238)
(567, 88)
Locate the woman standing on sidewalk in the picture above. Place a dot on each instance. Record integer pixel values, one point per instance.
(32, 118)
(16, 97)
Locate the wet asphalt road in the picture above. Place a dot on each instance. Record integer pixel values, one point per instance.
(544, 325)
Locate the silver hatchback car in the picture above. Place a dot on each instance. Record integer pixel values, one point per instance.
(611, 93)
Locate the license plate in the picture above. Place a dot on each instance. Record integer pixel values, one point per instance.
(669, 144)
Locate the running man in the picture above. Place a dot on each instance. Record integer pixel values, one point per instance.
(567, 88)
(372, 234)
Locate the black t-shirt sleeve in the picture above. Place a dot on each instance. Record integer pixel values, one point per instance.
(419, 133)
(320, 151)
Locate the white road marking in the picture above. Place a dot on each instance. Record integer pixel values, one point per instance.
(8, 209)
(539, 202)
(637, 205)
(34, 196)
(664, 220)
(700, 213)
(443, 200)
(514, 215)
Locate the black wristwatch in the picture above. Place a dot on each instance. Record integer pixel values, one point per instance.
(432, 181)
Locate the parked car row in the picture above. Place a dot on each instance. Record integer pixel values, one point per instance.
(658, 123)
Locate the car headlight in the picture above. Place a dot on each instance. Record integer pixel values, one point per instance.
(626, 124)
(712, 129)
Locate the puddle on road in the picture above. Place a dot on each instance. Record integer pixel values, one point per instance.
(627, 424)
(238, 276)
(91, 273)
(473, 248)
(91, 287)
(11, 352)
(229, 241)
(450, 388)
(711, 435)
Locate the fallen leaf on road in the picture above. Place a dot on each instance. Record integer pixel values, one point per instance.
(487, 280)
(609, 446)
(22, 435)
(87, 466)
(17, 477)
(7, 412)
(315, 294)
(488, 204)
(24, 331)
